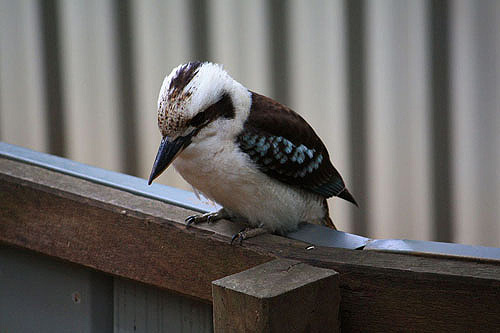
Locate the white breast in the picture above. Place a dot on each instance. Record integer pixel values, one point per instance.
(214, 165)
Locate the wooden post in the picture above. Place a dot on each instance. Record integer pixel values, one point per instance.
(278, 296)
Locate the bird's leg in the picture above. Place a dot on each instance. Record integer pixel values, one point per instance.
(248, 233)
(208, 217)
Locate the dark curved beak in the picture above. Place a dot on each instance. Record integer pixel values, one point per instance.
(167, 152)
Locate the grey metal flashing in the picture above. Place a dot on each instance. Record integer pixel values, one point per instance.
(309, 233)
(323, 236)
(113, 179)
(434, 248)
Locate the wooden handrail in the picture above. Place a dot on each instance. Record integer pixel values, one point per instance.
(146, 240)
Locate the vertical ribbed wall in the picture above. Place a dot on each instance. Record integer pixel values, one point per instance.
(405, 94)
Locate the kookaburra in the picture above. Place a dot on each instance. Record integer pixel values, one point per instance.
(258, 159)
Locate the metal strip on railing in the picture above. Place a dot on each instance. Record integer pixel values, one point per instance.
(309, 233)
(113, 179)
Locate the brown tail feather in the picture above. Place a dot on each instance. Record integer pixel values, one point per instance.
(346, 195)
(327, 221)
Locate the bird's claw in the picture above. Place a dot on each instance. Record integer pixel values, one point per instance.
(195, 219)
(207, 217)
(190, 220)
(211, 218)
(248, 233)
(240, 236)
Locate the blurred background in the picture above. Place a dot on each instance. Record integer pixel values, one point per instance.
(405, 94)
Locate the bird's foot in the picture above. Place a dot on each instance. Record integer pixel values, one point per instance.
(208, 217)
(247, 233)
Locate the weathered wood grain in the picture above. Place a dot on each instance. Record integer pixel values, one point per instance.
(145, 240)
(86, 223)
(278, 296)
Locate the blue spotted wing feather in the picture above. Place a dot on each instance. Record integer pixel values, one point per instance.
(286, 148)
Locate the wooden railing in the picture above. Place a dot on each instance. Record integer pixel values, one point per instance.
(138, 238)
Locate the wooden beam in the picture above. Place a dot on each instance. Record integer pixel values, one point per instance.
(146, 240)
(278, 296)
(114, 231)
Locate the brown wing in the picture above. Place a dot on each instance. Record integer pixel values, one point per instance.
(285, 147)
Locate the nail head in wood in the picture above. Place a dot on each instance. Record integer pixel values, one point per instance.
(278, 296)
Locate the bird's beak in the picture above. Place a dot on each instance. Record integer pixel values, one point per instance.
(167, 152)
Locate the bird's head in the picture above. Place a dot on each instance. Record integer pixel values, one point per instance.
(191, 97)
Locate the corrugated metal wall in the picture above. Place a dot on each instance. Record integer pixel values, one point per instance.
(40, 294)
(404, 93)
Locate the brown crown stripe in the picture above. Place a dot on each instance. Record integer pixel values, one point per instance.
(183, 76)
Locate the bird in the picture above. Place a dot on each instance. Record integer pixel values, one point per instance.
(255, 157)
